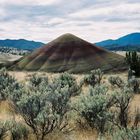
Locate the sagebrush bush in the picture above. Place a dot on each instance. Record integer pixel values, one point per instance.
(19, 131)
(116, 81)
(127, 134)
(94, 108)
(9, 86)
(35, 80)
(122, 98)
(136, 118)
(37, 113)
(5, 126)
(67, 80)
(134, 83)
(93, 78)
(46, 108)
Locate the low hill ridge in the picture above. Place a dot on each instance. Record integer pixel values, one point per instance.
(21, 44)
(126, 43)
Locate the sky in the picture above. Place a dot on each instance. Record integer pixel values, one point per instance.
(92, 20)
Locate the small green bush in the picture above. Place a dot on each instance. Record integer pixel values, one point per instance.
(127, 134)
(9, 86)
(134, 83)
(46, 108)
(133, 60)
(5, 126)
(19, 131)
(93, 78)
(122, 98)
(116, 81)
(94, 108)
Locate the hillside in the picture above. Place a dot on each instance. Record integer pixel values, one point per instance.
(21, 44)
(125, 43)
(5, 57)
(14, 51)
(72, 54)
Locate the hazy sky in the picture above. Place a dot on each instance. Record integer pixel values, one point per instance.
(44, 20)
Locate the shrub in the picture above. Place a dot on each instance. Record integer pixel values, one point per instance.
(59, 93)
(19, 131)
(133, 60)
(136, 118)
(67, 80)
(93, 78)
(36, 80)
(94, 108)
(122, 99)
(36, 113)
(127, 134)
(130, 73)
(116, 81)
(46, 108)
(9, 87)
(4, 128)
(134, 84)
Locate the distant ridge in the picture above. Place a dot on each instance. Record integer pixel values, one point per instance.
(125, 43)
(21, 44)
(70, 53)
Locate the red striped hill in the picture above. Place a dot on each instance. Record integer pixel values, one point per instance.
(72, 54)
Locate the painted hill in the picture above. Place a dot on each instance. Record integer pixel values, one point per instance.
(21, 44)
(72, 54)
(125, 43)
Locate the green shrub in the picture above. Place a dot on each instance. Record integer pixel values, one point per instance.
(94, 108)
(9, 87)
(93, 78)
(116, 81)
(19, 131)
(134, 83)
(36, 80)
(122, 99)
(5, 126)
(127, 134)
(46, 108)
(133, 60)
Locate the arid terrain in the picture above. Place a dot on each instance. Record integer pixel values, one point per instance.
(58, 56)
(7, 112)
(69, 70)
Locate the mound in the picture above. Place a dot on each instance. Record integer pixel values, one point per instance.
(72, 54)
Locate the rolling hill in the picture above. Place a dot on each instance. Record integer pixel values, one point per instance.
(21, 44)
(4, 57)
(125, 43)
(72, 54)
